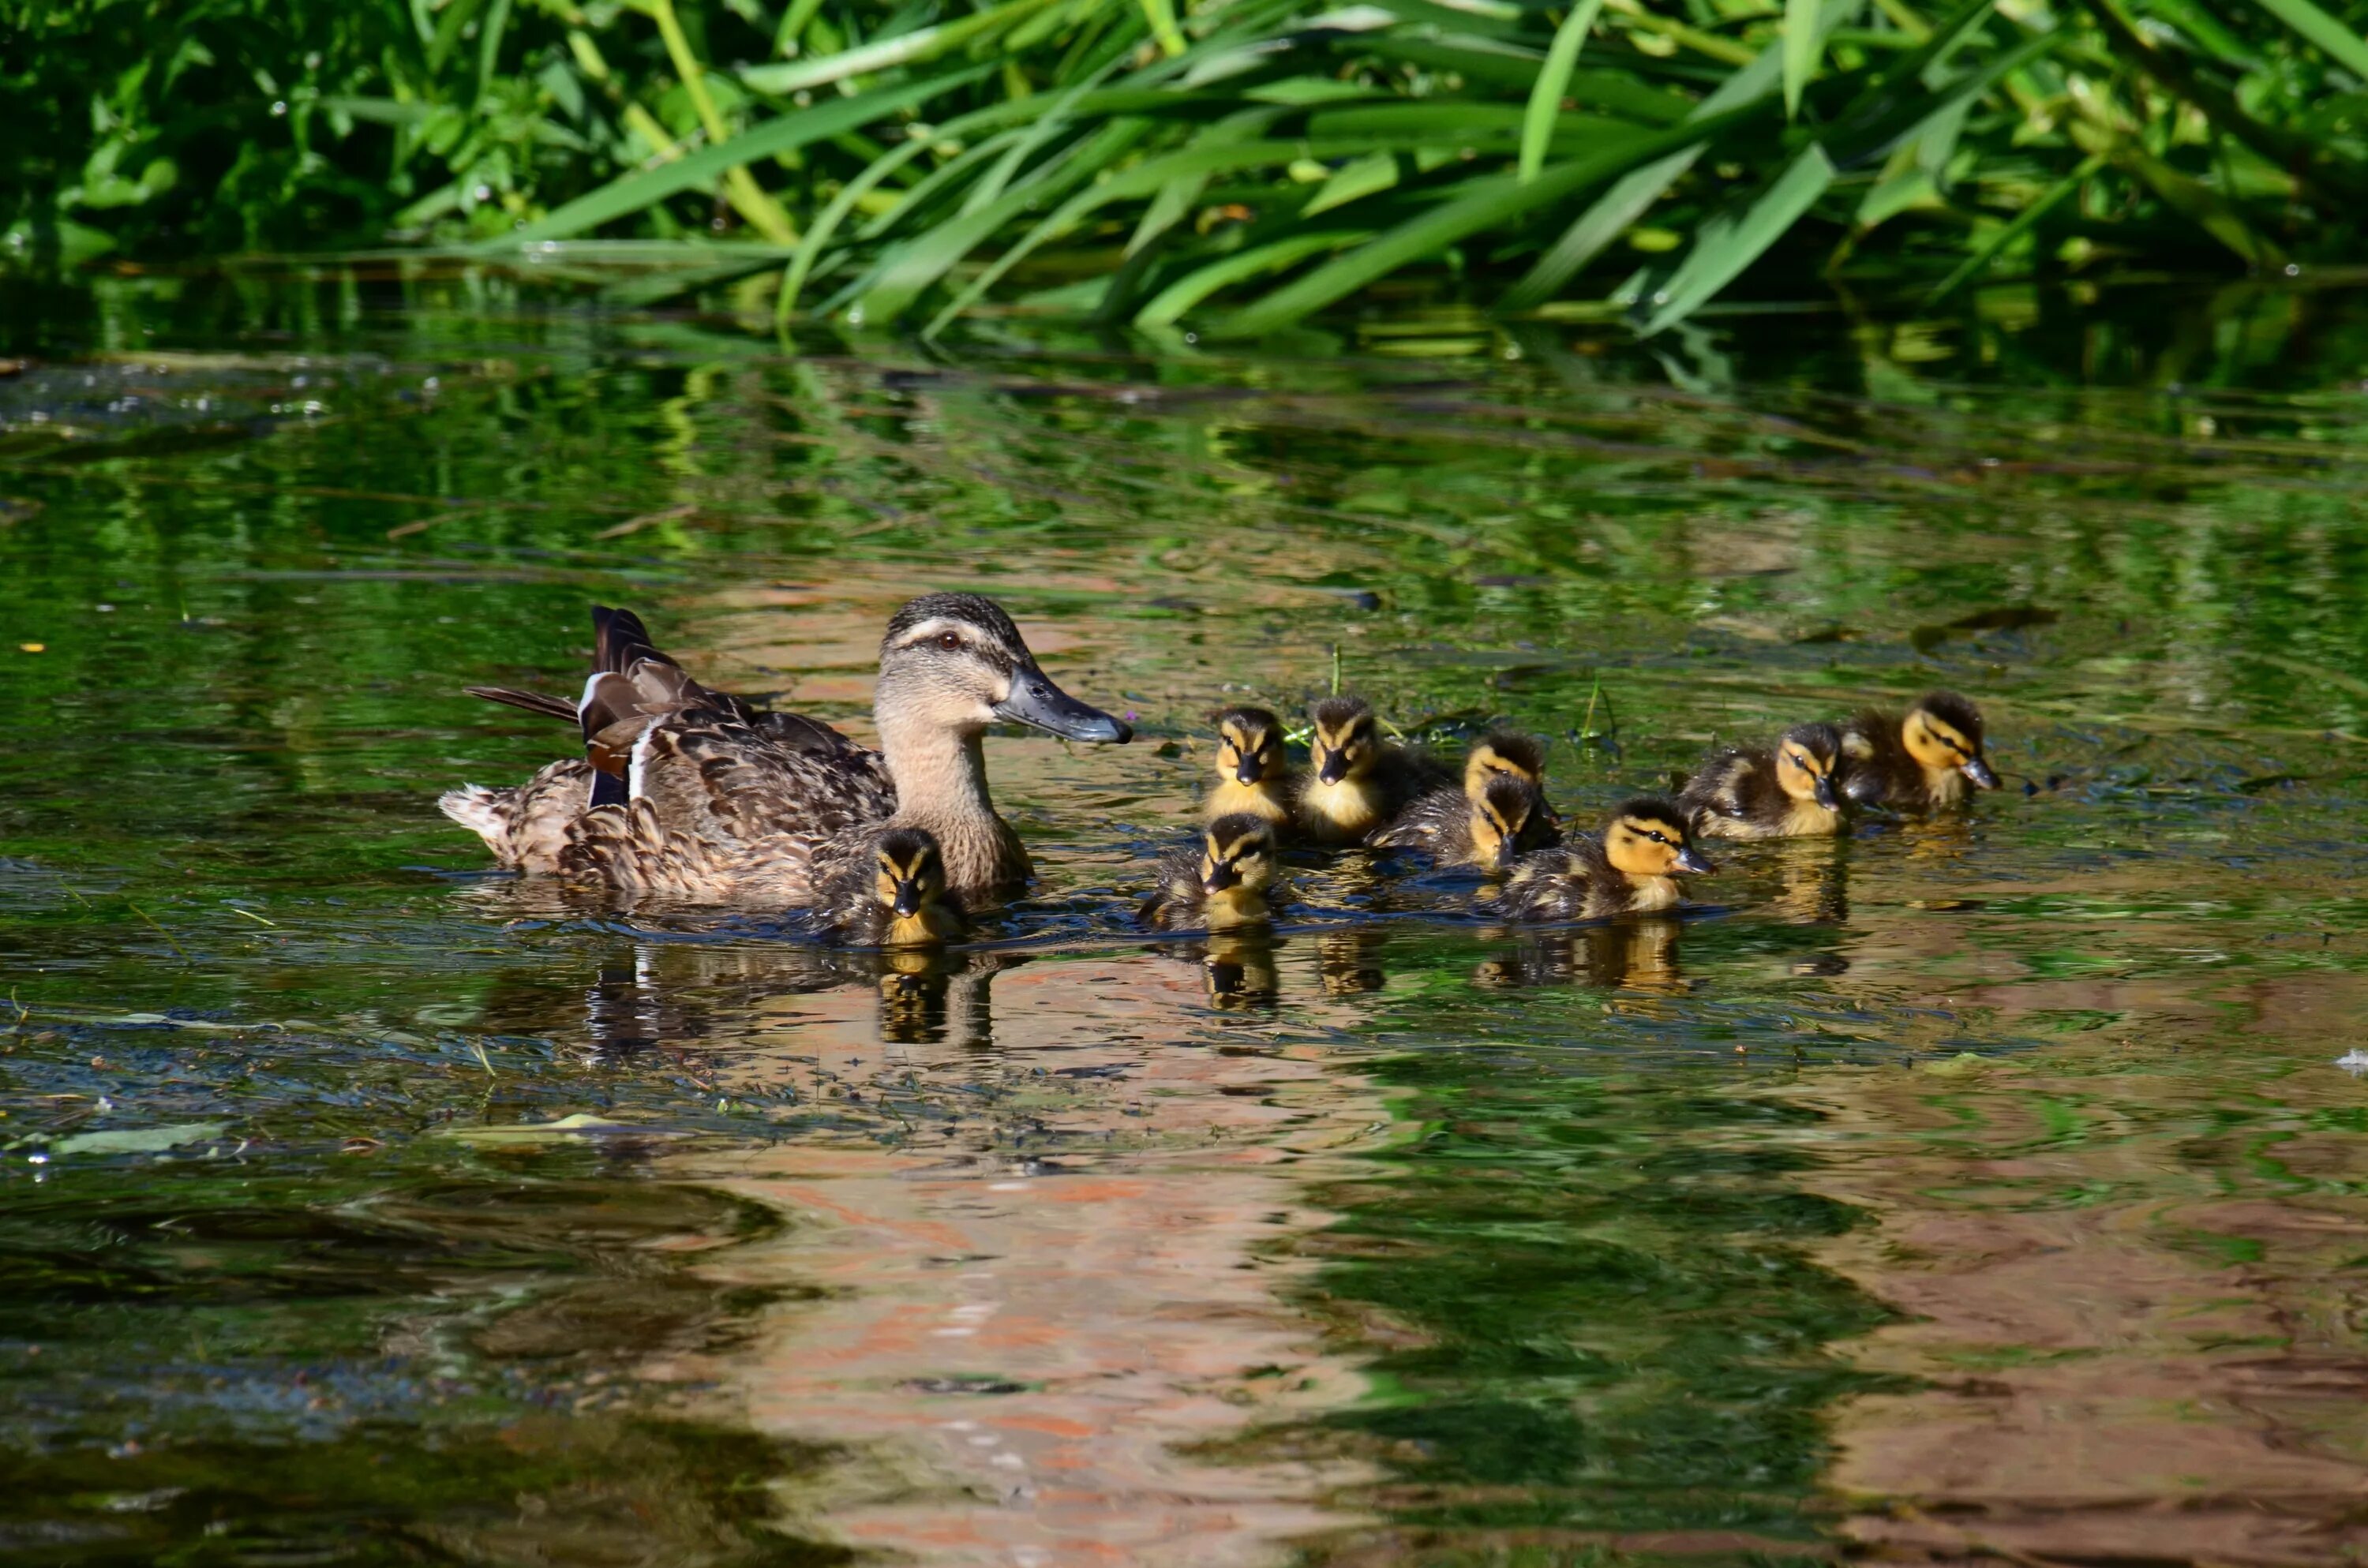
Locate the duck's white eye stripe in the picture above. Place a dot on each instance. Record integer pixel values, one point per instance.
(930, 630)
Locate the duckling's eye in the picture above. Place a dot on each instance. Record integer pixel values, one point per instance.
(1657, 837)
(949, 641)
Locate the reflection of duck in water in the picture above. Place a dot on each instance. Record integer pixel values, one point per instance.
(1920, 761)
(930, 997)
(692, 794)
(1347, 960)
(1631, 867)
(1238, 967)
(1639, 954)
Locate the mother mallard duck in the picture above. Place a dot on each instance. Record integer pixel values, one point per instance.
(693, 794)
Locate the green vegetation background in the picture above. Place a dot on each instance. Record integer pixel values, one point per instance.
(1227, 167)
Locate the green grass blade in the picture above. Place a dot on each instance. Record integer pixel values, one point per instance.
(915, 266)
(1486, 202)
(904, 49)
(489, 45)
(1180, 296)
(645, 188)
(1633, 196)
(2007, 233)
(1803, 46)
(1554, 77)
(1161, 15)
(2339, 42)
(826, 225)
(1357, 178)
(1731, 241)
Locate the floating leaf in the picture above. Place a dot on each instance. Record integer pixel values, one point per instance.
(139, 1141)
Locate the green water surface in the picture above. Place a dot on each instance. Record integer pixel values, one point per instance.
(1636, 1242)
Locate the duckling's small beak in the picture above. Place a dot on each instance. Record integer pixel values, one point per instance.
(1694, 862)
(1247, 771)
(1333, 767)
(1217, 878)
(1979, 770)
(1034, 699)
(1504, 853)
(908, 898)
(1826, 795)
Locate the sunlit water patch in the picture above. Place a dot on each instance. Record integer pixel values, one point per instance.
(1975, 1187)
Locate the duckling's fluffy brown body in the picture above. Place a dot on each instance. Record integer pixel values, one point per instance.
(1509, 819)
(1221, 882)
(1786, 791)
(718, 803)
(1498, 812)
(1357, 781)
(1630, 868)
(1927, 759)
(898, 898)
(1254, 773)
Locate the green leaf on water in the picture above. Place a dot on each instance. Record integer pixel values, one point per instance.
(139, 1141)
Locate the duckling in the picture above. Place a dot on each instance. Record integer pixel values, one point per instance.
(1221, 883)
(1359, 782)
(1631, 868)
(1786, 791)
(1508, 818)
(1253, 775)
(1920, 761)
(717, 805)
(901, 899)
(1499, 812)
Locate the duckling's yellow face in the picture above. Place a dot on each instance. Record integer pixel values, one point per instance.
(1805, 772)
(1238, 860)
(1499, 817)
(909, 880)
(1249, 751)
(1940, 746)
(1347, 750)
(1651, 843)
(1486, 762)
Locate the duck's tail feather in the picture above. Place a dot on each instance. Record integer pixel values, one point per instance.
(532, 701)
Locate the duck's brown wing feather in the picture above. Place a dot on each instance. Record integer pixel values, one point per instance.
(1438, 823)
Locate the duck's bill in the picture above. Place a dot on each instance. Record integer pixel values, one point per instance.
(1334, 767)
(1034, 699)
(1247, 771)
(1827, 795)
(1979, 770)
(1692, 861)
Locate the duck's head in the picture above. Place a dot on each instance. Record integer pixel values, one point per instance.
(1506, 805)
(1943, 734)
(1346, 744)
(956, 662)
(1807, 759)
(909, 881)
(1647, 838)
(1249, 746)
(1501, 755)
(1237, 851)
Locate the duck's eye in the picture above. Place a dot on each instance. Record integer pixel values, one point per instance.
(1657, 837)
(949, 641)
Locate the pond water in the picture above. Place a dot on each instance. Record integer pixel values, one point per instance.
(1984, 1187)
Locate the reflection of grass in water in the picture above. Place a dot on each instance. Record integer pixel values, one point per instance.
(388, 1362)
(1595, 1310)
(540, 1487)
